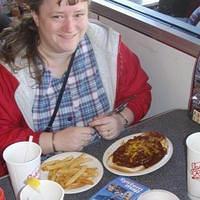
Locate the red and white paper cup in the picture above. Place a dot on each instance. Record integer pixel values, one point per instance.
(193, 165)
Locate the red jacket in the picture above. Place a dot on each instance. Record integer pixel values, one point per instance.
(131, 80)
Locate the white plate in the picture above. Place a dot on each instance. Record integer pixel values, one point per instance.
(92, 163)
(154, 167)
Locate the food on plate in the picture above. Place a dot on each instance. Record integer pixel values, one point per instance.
(71, 172)
(138, 153)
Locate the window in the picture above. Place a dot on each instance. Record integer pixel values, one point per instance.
(175, 18)
(147, 20)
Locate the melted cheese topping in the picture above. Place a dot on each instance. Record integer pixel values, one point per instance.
(146, 150)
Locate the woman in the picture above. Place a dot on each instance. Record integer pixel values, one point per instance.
(36, 58)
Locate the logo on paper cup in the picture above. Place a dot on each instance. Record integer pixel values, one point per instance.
(195, 170)
(35, 173)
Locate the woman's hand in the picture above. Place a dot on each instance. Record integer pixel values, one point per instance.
(73, 138)
(69, 139)
(109, 127)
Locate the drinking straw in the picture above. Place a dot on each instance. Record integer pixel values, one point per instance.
(28, 148)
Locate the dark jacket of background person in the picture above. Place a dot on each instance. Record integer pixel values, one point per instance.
(4, 21)
(176, 8)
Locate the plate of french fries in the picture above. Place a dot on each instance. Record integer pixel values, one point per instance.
(74, 171)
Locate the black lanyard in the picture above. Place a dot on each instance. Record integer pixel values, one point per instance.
(49, 127)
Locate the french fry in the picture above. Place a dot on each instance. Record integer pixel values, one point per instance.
(78, 161)
(86, 181)
(76, 176)
(52, 175)
(74, 186)
(71, 172)
(91, 172)
(51, 165)
(67, 171)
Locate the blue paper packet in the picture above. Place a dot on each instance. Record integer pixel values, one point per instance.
(120, 188)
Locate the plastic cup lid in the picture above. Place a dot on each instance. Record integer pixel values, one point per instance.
(158, 194)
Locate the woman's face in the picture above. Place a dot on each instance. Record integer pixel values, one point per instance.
(61, 27)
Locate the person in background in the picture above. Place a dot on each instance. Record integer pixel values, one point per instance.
(61, 76)
(175, 8)
(178, 8)
(20, 4)
(193, 4)
(10, 13)
(5, 7)
(5, 21)
(194, 17)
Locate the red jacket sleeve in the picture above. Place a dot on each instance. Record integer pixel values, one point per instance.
(132, 82)
(13, 127)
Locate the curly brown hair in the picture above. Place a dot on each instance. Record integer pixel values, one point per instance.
(25, 37)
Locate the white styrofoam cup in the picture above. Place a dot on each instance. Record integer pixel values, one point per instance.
(23, 159)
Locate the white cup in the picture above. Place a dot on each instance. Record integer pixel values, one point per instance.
(158, 194)
(23, 159)
(193, 166)
(48, 190)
